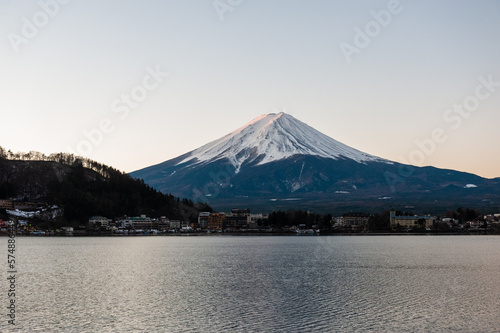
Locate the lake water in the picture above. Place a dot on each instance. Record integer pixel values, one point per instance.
(258, 284)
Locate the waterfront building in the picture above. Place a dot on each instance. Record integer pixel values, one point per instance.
(352, 220)
(355, 220)
(476, 225)
(216, 221)
(28, 205)
(492, 217)
(6, 204)
(99, 221)
(254, 220)
(203, 219)
(175, 224)
(123, 222)
(67, 231)
(142, 222)
(411, 221)
(239, 218)
(338, 222)
(163, 223)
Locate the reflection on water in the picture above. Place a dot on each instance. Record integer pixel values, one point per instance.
(258, 284)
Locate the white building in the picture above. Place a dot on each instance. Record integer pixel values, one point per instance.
(142, 222)
(203, 219)
(99, 221)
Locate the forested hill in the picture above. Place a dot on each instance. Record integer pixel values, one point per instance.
(83, 188)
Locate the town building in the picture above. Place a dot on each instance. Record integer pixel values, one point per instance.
(139, 223)
(238, 219)
(194, 225)
(203, 220)
(28, 205)
(6, 204)
(143, 222)
(99, 221)
(409, 222)
(476, 225)
(175, 224)
(254, 220)
(11, 204)
(67, 231)
(492, 217)
(353, 220)
(338, 222)
(163, 223)
(123, 222)
(216, 221)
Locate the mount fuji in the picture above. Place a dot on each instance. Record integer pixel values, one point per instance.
(278, 162)
(274, 137)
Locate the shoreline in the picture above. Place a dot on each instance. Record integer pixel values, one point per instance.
(260, 235)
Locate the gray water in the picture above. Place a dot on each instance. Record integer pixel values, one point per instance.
(258, 284)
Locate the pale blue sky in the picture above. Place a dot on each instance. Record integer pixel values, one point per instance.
(265, 56)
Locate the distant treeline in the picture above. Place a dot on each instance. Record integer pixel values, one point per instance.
(62, 158)
(85, 188)
(281, 219)
(379, 222)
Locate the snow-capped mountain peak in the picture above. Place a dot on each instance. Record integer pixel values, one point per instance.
(273, 137)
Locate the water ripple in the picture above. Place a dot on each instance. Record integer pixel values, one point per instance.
(259, 284)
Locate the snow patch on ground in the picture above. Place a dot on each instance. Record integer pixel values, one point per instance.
(23, 214)
(51, 212)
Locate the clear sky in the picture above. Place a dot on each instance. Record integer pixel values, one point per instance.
(376, 75)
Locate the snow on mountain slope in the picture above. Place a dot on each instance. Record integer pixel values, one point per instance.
(273, 137)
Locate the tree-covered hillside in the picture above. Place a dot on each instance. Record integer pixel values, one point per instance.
(83, 188)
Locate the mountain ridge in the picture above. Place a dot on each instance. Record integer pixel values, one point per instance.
(276, 161)
(272, 137)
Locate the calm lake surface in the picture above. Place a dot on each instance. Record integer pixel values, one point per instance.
(258, 284)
